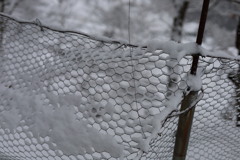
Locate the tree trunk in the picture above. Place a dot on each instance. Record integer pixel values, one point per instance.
(176, 35)
(1, 23)
(1, 5)
(238, 36)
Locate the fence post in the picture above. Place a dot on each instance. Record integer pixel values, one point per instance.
(185, 120)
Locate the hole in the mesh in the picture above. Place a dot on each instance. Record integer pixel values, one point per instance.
(168, 94)
(98, 116)
(94, 110)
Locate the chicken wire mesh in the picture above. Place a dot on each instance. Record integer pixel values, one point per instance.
(66, 95)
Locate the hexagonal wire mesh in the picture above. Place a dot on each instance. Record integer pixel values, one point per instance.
(66, 95)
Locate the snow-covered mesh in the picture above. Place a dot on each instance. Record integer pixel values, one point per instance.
(66, 95)
(215, 131)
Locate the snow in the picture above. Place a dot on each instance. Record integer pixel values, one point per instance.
(195, 81)
(58, 121)
(174, 100)
(190, 27)
(220, 54)
(83, 139)
(175, 50)
(233, 51)
(158, 120)
(157, 123)
(178, 50)
(10, 119)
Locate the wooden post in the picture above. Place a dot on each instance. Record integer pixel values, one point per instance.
(185, 120)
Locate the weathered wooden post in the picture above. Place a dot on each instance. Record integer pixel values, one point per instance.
(185, 120)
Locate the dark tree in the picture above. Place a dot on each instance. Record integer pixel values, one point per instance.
(1, 22)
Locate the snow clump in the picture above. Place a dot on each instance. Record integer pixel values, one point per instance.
(58, 121)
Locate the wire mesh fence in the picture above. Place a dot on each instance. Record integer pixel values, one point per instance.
(66, 95)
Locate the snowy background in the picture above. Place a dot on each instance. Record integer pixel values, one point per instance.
(149, 19)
